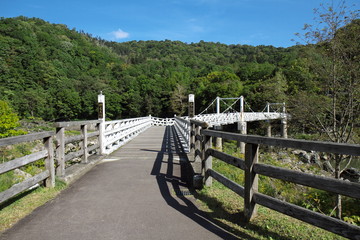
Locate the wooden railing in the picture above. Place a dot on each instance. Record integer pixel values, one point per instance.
(83, 138)
(48, 154)
(95, 137)
(203, 151)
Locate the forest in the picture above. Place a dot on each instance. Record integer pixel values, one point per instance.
(54, 73)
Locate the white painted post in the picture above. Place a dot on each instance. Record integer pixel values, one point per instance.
(217, 139)
(84, 143)
(268, 130)
(191, 105)
(242, 125)
(101, 111)
(241, 104)
(284, 123)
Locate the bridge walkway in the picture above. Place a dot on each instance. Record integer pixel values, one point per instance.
(134, 193)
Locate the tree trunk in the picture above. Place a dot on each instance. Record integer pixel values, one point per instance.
(338, 197)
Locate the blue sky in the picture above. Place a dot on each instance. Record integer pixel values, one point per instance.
(252, 22)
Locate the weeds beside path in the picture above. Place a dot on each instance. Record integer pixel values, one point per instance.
(18, 207)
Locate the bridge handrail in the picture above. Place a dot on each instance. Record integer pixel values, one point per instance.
(252, 169)
(162, 121)
(119, 132)
(182, 127)
(48, 153)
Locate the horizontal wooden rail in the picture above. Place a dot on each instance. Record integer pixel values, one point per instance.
(202, 141)
(25, 138)
(48, 155)
(76, 123)
(75, 138)
(339, 148)
(237, 188)
(93, 134)
(22, 161)
(81, 138)
(237, 162)
(24, 185)
(317, 219)
(73, 155)
(199, 123)
(324, 183)
(93, 147)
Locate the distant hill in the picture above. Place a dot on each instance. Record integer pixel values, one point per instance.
(55, 73)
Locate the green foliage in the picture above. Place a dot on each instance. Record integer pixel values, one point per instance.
(9, 121)
(313, 199)
(52, 72)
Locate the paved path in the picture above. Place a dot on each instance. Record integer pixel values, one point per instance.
(130, 195)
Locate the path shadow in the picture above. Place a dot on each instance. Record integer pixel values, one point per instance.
(178, 180)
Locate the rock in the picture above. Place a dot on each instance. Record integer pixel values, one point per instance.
(327, 167)
(305, 157)
(286, 160)
(21, 175)
(351, 174)
(315, 158)
(70, 147)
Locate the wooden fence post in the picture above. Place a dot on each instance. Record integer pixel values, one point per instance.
(251, 180)
(49, 162)
(207, 159)
(85, 143)
(60, 151)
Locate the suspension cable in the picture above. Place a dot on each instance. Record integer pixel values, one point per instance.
(231, 106)
(207, 107)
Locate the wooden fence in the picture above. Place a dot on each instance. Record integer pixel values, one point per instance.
(48, 153)
(95, 136)
(202, 143)
(83, 138)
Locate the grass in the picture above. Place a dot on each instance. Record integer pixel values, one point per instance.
(23, 204)
(226, 208)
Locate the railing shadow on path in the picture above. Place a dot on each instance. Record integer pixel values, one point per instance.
(175, 197)
(178, 180)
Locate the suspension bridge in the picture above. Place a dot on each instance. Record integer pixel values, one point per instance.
(143, 174)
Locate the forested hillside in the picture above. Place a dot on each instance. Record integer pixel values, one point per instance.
(52, 72)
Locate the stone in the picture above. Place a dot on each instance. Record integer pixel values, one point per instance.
(351, 174)
(327, 167)
(21, 175)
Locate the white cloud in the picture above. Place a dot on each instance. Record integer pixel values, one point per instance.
(120, 34)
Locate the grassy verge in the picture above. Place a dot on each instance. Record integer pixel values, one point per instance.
(226, 208)
(18, 207)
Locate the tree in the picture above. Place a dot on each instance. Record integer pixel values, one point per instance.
(335, 42)
(9, 121)
(178, 100)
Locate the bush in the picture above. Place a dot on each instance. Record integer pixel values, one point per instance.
(9, 121)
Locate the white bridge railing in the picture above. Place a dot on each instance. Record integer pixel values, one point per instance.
(119, 132)
(182, 127)
(217, 119)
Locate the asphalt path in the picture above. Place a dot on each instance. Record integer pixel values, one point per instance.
(137, 192)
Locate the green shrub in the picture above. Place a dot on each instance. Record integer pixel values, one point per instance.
(9, 121)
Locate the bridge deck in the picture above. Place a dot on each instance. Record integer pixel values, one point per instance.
(130, 195)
